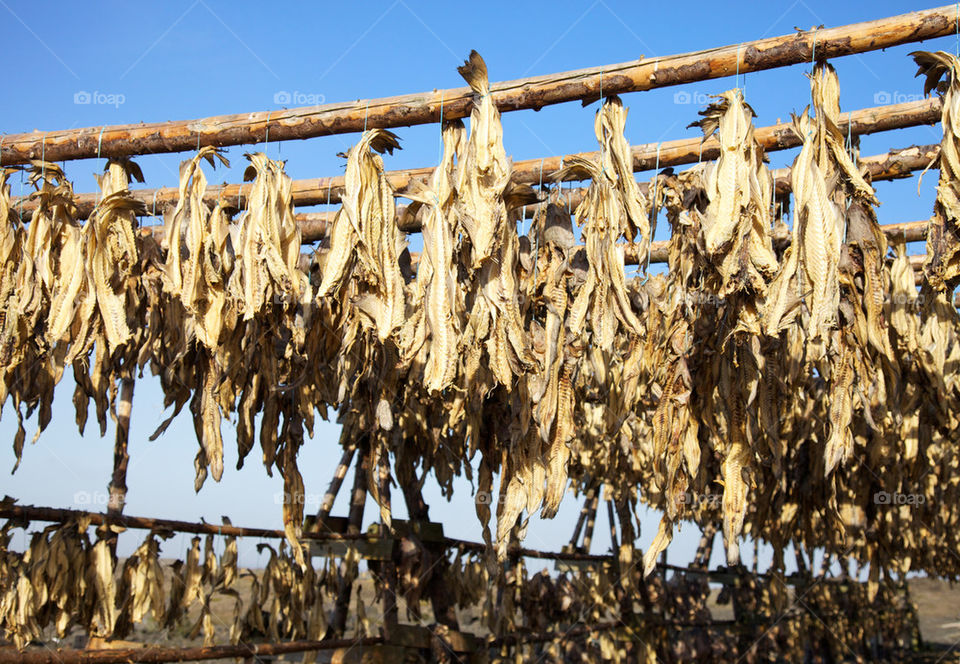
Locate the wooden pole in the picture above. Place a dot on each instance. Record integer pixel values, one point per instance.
(121, 458)
(612, 521)
(389, 567)
(582, 519)
(57, 515)
(887, 166)
(705, 547)
(157, 654)
(591, 521)
(331, 495)
(528, 93)
(444, 610)
(358, 499)
(317, 191)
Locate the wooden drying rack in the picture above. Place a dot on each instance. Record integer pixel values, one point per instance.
(327, 535)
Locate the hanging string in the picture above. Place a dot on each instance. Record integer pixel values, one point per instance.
(100, 141)
(561, 189)
(653, 222)
(43, 157)
(813, 50)
(850, 133)
(441, 126)
(198, 140)
(365, 114)
(541, 189)
(329, 184)
(601, 86)
(736, 79)
(266, 137)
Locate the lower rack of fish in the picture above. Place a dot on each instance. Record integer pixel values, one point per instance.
(590, 606)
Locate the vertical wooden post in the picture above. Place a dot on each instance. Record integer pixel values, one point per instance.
(613, 524)
(121, 459)
(582, 519)
(358, 499)
(591, 520)
(444, 611)
(705, 547)
(389, 567)
(331, 495)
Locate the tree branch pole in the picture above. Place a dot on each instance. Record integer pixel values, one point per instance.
(331, 495)
(358, 499)
(157, 654)
(527, 93)
(705, 547)
(317, 191)
(582, 519)
(444, 611)
(388, 568)
(887, 166)
(57, 515)
(121, 458)
(591, 520)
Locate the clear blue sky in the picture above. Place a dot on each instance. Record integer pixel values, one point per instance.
(182, 60)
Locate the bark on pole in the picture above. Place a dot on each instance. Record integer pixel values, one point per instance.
(331, 495)
(121, 455)
(582, 519)
(157, 654)
(528, 93)
(358, 499)
(389, 567)
(121, 458)
(593, 502)
(444, 611)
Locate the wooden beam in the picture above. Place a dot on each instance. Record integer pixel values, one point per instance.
(317, 191)
(335, 483)
(57, 515)
(157, 654)
(121, 458)
(347, 570)
(527, 93)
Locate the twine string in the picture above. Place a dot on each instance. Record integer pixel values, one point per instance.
(266, 137)
(736, 79)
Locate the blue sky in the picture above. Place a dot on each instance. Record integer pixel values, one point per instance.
(182, 60)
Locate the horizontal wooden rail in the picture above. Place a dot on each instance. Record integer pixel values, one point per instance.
(157, 654)
(58, 515)
(886, 166)
(527, 93)
(779, 136)
(891, 165)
